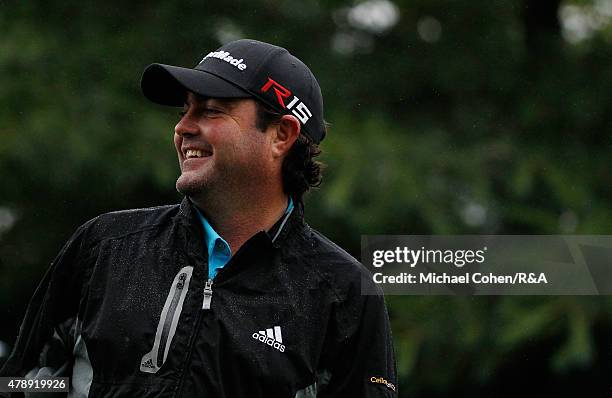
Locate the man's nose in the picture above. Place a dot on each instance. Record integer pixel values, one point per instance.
(186, 126)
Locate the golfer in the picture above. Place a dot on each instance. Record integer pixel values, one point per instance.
(229, 293)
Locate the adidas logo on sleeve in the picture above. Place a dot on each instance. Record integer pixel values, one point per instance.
(271, 337)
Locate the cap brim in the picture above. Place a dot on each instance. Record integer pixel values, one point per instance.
(168, 85)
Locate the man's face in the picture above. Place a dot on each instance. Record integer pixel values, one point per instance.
(220, 150)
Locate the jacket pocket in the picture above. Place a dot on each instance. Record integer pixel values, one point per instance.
(168, 321)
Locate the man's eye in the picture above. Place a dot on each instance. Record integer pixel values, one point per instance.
(205, 111)
(212, 111)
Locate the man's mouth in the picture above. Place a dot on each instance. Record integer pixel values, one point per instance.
(197, 153)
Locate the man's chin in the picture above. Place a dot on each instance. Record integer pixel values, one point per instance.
(190, 188)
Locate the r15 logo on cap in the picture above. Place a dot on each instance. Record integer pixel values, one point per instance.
(300, 110)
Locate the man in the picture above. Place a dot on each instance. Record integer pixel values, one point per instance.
(230, 293)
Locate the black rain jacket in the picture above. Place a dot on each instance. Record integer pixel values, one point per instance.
(127, 310)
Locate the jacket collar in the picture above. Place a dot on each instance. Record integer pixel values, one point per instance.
(283, 228)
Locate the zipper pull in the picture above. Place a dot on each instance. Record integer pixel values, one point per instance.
(207, 295)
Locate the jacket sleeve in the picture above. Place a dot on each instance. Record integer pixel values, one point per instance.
(44, 344)
(360, 358)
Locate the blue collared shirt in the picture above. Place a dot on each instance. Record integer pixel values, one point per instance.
(219, 252)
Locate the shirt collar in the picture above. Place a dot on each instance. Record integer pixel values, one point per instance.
(211, 237)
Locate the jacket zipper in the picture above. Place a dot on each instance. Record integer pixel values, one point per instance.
(206, 301)
(207, 295)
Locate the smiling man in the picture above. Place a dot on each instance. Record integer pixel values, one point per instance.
(230, 293)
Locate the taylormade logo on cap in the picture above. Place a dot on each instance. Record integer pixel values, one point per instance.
(226, 56)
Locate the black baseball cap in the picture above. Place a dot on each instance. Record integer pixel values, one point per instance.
(244, 69)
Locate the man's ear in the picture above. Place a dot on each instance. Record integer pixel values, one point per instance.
(287, 131)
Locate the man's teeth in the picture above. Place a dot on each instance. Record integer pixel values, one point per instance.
(196, 153)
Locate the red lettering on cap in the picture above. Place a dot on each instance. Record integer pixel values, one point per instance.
(281, 92)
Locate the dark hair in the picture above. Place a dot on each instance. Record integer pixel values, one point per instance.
(300, 171)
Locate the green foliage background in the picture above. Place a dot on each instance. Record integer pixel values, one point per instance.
(498, 123)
